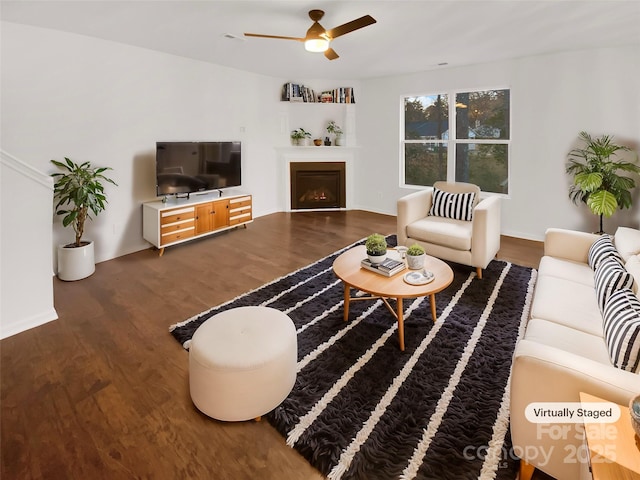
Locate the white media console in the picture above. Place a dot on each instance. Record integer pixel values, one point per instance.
(180, 220)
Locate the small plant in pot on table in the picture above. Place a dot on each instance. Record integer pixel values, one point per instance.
(376, 246)
(79, 186)
(415, 257)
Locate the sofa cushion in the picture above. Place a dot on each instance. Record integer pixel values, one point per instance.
(633, 267)
(567, 303)
(451, 233)
(609, 277)
(578, 272)
(603, 247)
(622, 330)
(458, 206)
(627, 242)
(568, 339)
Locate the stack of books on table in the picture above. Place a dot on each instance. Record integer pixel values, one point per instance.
(388, 268)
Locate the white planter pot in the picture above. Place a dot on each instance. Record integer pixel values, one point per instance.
(377, 258)
(339, 141)
(415, 262)
(75, 263)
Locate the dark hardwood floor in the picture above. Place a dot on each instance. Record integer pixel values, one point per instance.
(103, 391)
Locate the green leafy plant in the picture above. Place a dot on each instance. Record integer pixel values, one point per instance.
(376, 244)
(596, 181)
(300, 133)
(80, 186)
(415, 250)
(334, 129)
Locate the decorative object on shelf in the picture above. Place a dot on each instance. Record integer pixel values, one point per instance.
(317, 142)
(299, 137)
(327, 142)
(596, 181)
(415, 257)
(334, 129)
(80, 185)
(376, 246)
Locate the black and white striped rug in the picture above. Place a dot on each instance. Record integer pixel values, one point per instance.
(362, 409)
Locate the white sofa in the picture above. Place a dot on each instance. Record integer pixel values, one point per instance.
(564, 350)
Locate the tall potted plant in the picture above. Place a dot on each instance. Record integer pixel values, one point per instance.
(596, 181)
(79, 192)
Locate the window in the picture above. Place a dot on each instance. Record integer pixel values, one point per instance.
(461, 137)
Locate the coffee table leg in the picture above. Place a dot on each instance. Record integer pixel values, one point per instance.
(347, 299)
(432, 299)
(400, 324)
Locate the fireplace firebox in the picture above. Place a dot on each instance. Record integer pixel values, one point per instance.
(316, 185)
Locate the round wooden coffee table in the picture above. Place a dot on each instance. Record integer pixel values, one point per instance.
(347, 268)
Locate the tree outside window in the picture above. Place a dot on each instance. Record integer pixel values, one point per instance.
(478, 152)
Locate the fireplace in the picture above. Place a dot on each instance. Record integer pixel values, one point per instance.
(316, 185)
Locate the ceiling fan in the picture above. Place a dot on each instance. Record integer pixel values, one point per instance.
(317, 38)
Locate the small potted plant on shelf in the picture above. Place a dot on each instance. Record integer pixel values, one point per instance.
(376, 246)
(79, 186)
(415, 257)
(334, 129)
(299, 136)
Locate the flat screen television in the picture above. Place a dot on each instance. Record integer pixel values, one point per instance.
(183, 168)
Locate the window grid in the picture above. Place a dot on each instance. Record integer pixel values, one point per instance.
(451, 144)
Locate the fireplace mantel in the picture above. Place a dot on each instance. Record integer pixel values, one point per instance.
(316, 154)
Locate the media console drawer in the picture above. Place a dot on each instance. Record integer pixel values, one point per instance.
(165, 224)
(177, 215)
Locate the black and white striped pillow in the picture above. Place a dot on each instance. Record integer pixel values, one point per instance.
(610, 276)
(622, 330)
(603, 247)
(458, 206)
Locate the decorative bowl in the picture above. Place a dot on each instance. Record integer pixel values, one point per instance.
(634, 413)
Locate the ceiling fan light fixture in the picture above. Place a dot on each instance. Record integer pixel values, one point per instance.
(316, 44)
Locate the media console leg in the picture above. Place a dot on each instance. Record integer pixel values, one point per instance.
(161, 252)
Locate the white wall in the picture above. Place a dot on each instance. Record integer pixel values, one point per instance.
(553, 98)
(89, 99)
(26, 277)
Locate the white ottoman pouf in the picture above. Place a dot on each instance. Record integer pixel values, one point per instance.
(242, 363)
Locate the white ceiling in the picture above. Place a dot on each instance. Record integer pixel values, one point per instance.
(409, 36)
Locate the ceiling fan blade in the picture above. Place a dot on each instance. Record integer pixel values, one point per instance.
(351, 26)
(273, 36)
(331, 54)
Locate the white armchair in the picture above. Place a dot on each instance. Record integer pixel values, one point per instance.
(474, 243)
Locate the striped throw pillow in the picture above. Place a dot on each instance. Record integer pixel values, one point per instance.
(610, 276)
(603, 247)
(458, 206)
(622, 330)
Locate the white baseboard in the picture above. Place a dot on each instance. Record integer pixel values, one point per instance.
(24, 324)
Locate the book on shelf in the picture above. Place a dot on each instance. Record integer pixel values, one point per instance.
(294, 92)
(388, 267)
